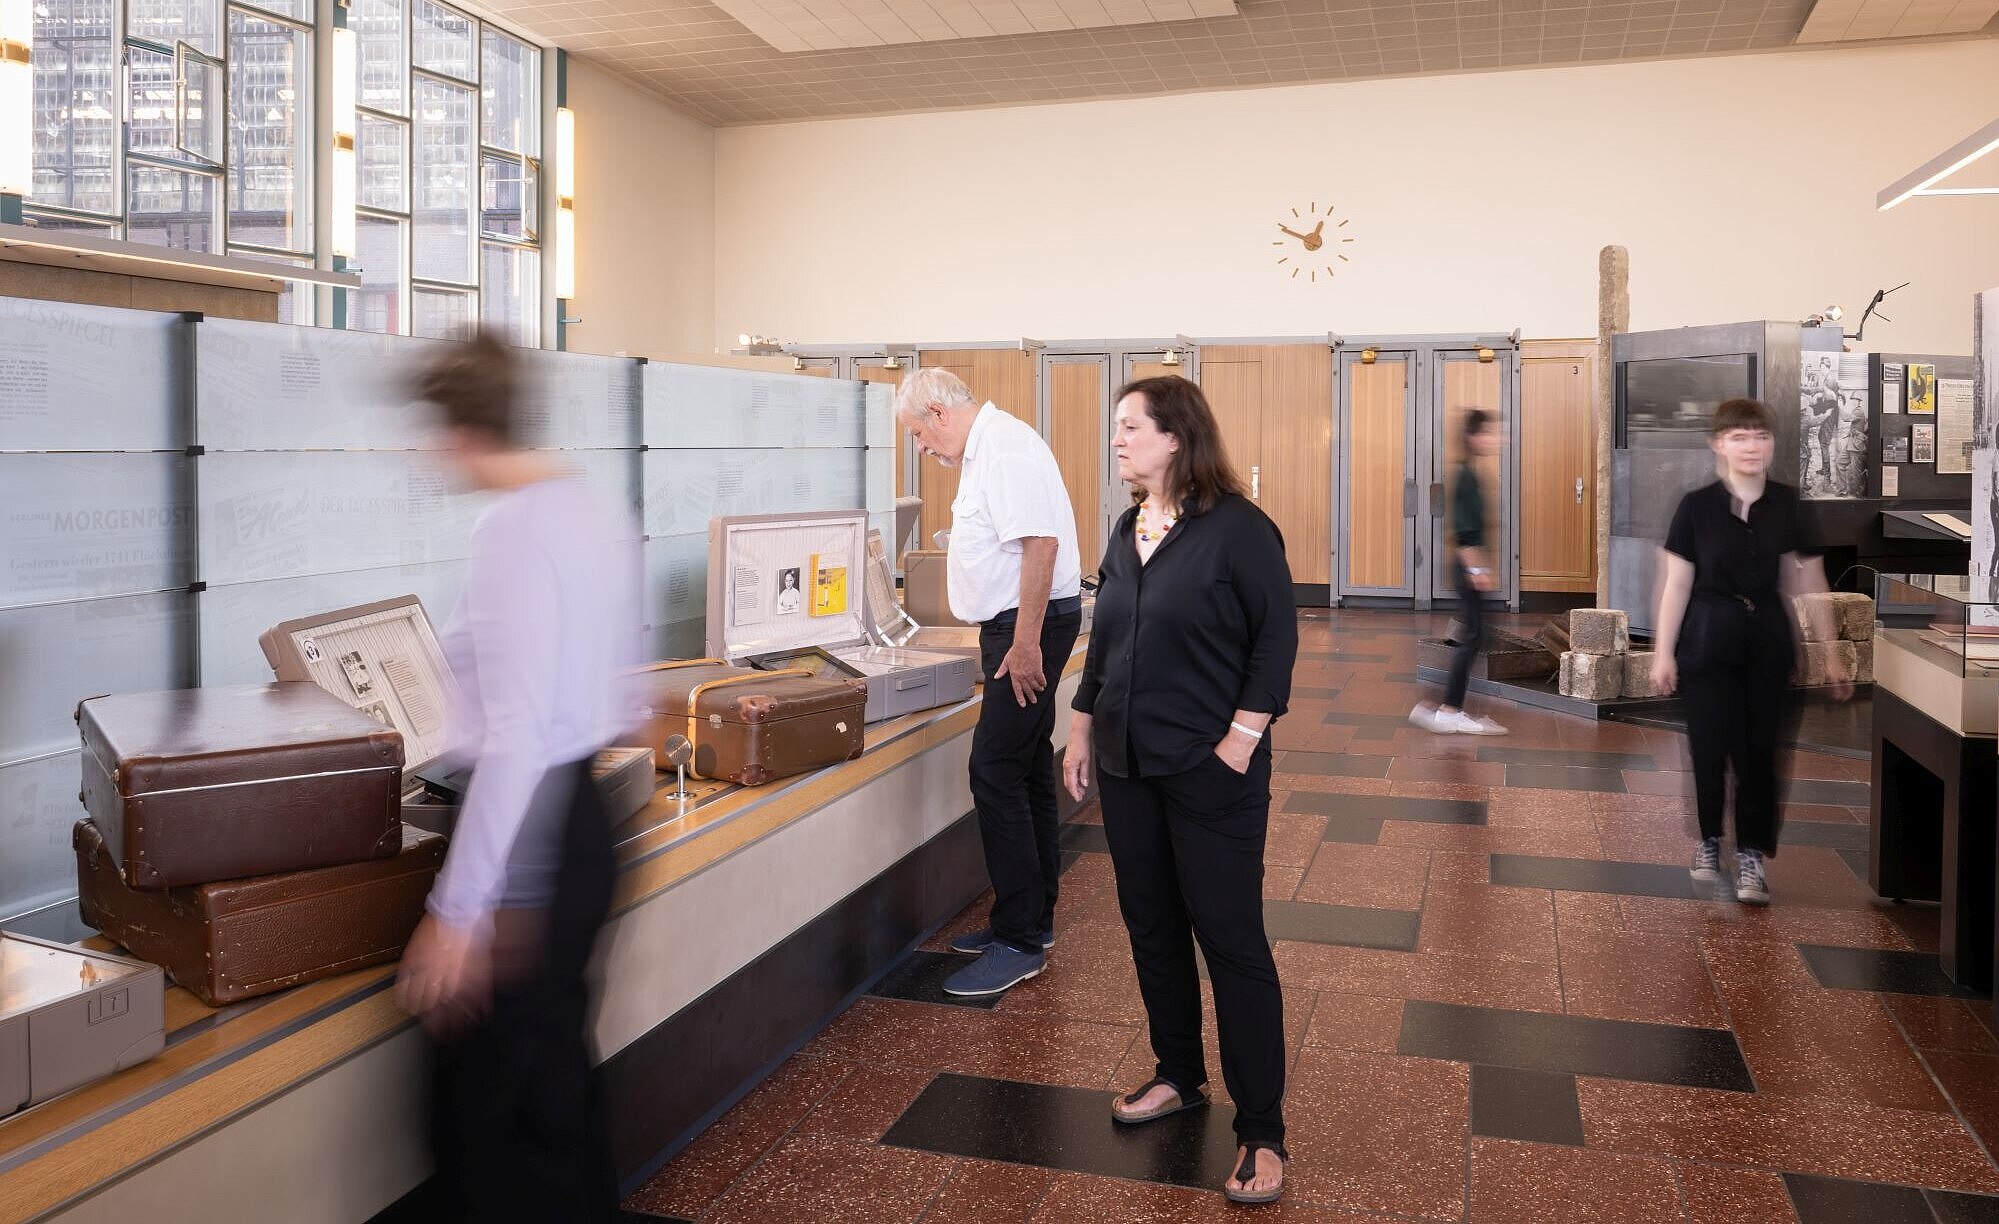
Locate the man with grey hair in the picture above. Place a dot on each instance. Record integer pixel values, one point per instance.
(1013, 570)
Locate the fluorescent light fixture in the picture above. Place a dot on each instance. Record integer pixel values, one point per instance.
(1923, 180)
(565, 203)
(17, 85)
(345, 123)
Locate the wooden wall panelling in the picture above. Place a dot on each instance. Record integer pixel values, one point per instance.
(1287, 390)
(1004, 376)
(1076, 433)
(1557, 441)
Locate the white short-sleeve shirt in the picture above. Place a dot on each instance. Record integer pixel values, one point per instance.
(1009, 490)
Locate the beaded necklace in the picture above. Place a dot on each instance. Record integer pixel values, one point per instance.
(1146, 533)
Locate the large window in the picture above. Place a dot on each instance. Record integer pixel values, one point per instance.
(191, 124)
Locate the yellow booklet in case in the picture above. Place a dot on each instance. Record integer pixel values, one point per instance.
(829, 584)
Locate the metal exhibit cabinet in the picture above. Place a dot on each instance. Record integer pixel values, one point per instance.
(69, 1016)
(790, 591)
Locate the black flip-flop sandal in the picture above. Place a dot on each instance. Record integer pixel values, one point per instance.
(1246, 1172)
(1187, 1100)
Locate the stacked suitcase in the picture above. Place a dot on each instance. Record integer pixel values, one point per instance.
(247, 838)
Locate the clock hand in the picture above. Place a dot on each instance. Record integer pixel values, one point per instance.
(1294, 233)
(1318, 229)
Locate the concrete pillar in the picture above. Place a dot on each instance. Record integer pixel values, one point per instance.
(1613, 315)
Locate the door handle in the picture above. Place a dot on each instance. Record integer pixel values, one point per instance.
(1437, 499)
(1408, 499)
(1255, 483)
(1579, 490)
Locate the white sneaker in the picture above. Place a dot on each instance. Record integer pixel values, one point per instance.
(1429, 718)
(1471, 724)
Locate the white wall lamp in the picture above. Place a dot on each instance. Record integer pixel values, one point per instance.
(345, 124)
(565, 203)
(17, 84)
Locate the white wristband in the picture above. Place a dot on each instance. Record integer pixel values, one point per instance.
(1250, 732)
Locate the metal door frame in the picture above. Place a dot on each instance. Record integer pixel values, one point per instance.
(1506, 549)
(1107, 482)
(1344, 360)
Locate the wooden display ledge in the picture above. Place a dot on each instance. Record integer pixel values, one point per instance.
(67, 266)
(222, 1065)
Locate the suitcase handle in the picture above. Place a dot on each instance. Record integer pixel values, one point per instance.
(694, 695)
(672, 664)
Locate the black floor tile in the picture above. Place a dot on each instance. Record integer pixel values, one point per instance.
(1314, 693)
(1592, 875)
(1388, 807)
(920, 979)
(1350, 926)
(1352, 830)
(1531, 1106)
(1333, 764)
(1402, 678)
(1951, 1207)
(1820, 790)
(1575, 1045)
(627, 1216)
(1564, 777)
(1826, 833)
(1065, 1128)
(1078, 837)
(1567, 759)
(1856, 862)
(1909, 973)
(1341, 656)
(1340, 718)
(1832, 1200)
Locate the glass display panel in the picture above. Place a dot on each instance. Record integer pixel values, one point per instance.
(442, 40)
(684, 489)
(698, 406)
(441, 314)
(383, 147)
(55, 655)
(195, 22)
(37, 864)
(260, 386)
(172, 208)
(881, 480)
(77, 526)
(676, 593)
(55, 356)
(380, 247)
(510, 88)
(510, 293)
(270, 130)
(577, 400)
(443, 181)
(232, 617)
(1668, 403)
(381, 67)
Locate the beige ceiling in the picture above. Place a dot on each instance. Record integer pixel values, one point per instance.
(1855, 20)
(697, 57)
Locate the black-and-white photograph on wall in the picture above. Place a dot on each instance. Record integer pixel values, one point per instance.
(1985, 447)
(1832, 428)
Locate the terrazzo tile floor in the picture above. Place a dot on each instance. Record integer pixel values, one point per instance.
(1504, 1001)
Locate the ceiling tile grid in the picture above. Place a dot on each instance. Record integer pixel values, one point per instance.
(697, 57)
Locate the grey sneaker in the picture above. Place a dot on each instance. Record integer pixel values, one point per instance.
(1707, 860)
(1750, 886)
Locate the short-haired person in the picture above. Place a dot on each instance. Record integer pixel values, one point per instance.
(1190, 661)
(1472, 576)
(1013, 570)
(546, 627)
(1733, 563)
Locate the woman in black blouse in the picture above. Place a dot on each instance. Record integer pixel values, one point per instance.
(1189, 663)
(1734, 562)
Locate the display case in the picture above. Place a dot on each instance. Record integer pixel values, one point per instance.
(69, 1016)
(800, 590)
(1937, 647)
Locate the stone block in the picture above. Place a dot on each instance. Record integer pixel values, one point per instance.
(1863, 662)
(1853, 613)
(1592, 677)
(1599, 631)
(1638, 674)
(1818, 661)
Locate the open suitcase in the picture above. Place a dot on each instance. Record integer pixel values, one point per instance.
(384, 659)
(750, 726)
(209, 784)
(238, 939)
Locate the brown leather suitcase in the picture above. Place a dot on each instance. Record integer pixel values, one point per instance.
(198, 785)
(238, 939)
(753, 726)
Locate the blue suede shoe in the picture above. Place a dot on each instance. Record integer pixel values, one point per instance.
(998, 969)
(971, 943)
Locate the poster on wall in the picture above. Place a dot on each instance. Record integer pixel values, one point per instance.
(1985, 448)
(1922, 444)
(1832, 435)
(1892, 394)
(1922, 389)
(1954, 426)
(1894, 450)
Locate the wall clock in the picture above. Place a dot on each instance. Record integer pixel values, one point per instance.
(1314, 243)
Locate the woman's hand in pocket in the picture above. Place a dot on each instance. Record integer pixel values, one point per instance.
(1235, 751)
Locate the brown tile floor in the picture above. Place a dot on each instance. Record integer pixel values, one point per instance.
(1897, 1089)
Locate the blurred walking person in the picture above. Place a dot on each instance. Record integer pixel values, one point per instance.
(547, 625)
(1472, 576)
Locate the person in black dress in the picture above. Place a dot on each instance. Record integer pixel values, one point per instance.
(1734, 562)
(1189, 665)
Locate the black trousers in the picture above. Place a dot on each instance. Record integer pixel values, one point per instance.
(517, 1128)
(1471, 611)
(1736, 718)
(1188, 850)
(1013, 783)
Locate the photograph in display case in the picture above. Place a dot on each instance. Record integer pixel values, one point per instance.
(790, 599)
(1832, 433)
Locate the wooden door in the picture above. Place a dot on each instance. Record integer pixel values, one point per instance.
(1003, 376)
(1464, 383)
(1274, 403)
(1377, 470)
(1557, 465)
(1078, 432)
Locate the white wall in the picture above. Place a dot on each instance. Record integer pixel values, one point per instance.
(1743, 186)
(645, 221)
